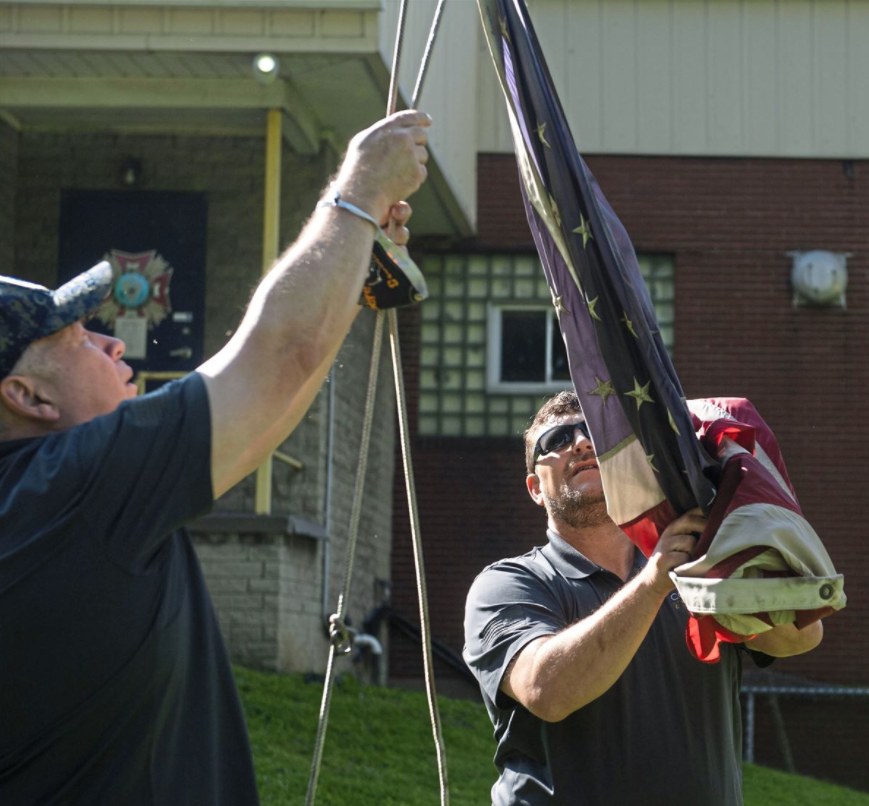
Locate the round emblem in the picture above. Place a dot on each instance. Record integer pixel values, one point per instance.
(826, 592)
(131, 289)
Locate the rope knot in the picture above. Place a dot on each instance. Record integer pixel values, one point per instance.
(340, 635)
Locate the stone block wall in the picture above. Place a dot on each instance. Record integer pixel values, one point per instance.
(243, 579)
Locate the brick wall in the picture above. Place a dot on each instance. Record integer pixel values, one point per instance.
(8, 176)
(729, 223)
(267, 588)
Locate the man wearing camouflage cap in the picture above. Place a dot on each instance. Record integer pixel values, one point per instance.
(115, 686)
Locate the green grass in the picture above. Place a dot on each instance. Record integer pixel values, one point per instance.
(379, 750)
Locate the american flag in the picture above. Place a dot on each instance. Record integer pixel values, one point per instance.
(653, 466)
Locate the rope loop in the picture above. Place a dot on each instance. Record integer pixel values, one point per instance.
(340, 635)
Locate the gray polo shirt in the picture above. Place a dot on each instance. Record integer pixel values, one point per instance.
(668, 731)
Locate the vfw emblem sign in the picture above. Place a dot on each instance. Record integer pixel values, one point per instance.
(140, 297)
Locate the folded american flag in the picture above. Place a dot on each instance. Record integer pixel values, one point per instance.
(645, 433)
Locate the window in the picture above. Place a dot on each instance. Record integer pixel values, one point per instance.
(525, 350)
(491, 350)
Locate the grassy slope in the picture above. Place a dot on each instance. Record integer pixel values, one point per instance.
(379, 751)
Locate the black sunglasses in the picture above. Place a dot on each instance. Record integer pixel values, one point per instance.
(556, 438)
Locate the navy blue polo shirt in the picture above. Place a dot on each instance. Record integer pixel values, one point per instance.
(667, 732)
(115, 687)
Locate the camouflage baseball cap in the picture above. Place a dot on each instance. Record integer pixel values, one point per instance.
(31, 312)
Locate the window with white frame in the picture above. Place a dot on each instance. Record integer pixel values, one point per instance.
(525, 351)
(491, 350)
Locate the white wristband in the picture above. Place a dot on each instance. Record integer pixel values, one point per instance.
(334, 200)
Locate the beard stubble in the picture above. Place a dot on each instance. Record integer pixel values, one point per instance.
(577, 508)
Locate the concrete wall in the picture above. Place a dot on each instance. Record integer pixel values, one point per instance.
(267, 587)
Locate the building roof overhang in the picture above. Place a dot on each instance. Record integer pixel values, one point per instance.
(185, 67)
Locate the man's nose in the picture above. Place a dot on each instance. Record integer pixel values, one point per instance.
(115, 348)
(581, 443)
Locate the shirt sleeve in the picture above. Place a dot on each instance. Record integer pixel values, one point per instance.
(508, 606)
(146, 469)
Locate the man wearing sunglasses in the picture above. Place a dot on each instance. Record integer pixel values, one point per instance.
(580, 653)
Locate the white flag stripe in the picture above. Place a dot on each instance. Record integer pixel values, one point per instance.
(629, 482)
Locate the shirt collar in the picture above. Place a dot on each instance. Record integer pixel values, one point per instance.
(11, 446)
(567, 560)
(573, 565)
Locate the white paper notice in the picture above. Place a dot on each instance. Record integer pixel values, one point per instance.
(132, 329)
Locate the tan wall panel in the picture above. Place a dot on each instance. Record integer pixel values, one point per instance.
(654, 86)
(831, 78)
(689, 79)
(710, 77)
(796, 76)
(191, 21)
(858, 72)
(342, 24)
(760, 89)
(241, 23)
(292, 23)
(493, 128)
(619, 74)
(725, 86)
(40, 20)
(91, 20)
(583, 91)
(141, 20)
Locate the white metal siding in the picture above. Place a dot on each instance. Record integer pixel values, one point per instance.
(721, 77)
(450, 90)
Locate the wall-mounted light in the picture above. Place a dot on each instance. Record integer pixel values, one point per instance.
(819, 278)
(131, 172)
(266, 67)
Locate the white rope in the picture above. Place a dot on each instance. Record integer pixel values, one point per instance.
(339, 639)
(338, 642)
(422, 594)
(423, 67)
(392, 100)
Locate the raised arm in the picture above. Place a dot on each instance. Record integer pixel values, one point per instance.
(262, 382)
(555, 675)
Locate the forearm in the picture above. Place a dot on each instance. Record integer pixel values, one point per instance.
(305, 305)
(267, 375)
(575, 667)
(786, 640)
(260, 384)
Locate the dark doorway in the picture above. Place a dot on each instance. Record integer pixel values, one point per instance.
(155, 242)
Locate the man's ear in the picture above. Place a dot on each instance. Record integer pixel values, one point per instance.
(25, 398)
(532, 482)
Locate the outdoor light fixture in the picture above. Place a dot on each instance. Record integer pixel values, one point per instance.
(265, 67)
(819, 278)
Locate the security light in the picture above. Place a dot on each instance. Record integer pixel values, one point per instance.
(265, 67)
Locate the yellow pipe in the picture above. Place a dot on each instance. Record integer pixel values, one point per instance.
(271, 245)
(144, 376)
(294, 463)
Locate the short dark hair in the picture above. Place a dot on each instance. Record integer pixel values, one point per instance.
(565, 402)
